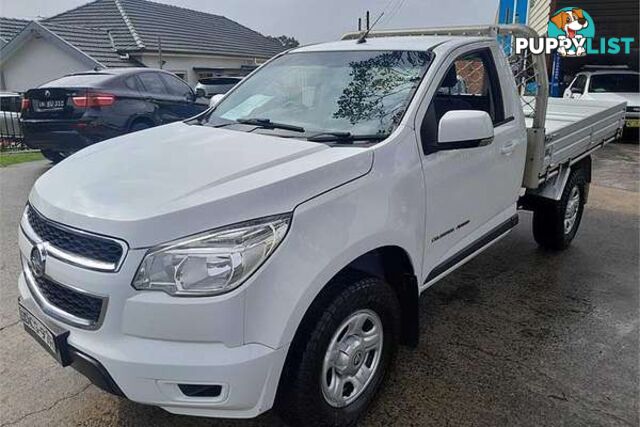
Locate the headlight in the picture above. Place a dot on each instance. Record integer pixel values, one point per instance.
(213, 262)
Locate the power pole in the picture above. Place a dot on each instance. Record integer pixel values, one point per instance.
(359, 24)
(367, 20)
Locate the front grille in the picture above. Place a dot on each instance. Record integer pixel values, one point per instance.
(80, 305)
(88, 246)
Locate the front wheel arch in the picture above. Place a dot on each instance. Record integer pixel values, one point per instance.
(294, 383)
(393, 265)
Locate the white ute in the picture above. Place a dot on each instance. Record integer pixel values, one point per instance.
(609, 83)
(271, 251)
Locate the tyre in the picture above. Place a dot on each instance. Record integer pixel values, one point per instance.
(555, 224)
(139, 125)
(341, 353)
(630, 136)
(54, 156)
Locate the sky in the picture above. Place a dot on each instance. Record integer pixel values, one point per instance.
(306, 20)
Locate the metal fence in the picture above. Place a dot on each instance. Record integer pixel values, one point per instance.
(11, 136)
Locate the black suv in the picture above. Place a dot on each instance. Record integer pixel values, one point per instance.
(69, 113)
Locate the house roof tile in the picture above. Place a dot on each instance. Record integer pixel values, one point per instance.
(10, 27)
(138, 24)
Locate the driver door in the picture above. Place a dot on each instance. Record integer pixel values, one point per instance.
(471, 192)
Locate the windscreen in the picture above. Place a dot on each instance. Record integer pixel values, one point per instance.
(618, 83)
(361, 92)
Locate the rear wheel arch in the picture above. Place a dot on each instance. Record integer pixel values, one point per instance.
(556, 222)
(585, 165)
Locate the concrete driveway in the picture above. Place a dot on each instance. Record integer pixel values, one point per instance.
(516, 337)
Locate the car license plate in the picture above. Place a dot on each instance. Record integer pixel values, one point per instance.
(51, 104)
(632, 123)
(55, 342)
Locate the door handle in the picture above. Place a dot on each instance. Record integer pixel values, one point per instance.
(508, 148)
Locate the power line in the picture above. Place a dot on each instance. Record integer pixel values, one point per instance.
(394, 12)
(391, 4)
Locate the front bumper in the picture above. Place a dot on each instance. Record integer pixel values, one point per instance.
(632, 119)
(149, 344)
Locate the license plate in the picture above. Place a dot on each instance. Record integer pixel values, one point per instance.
(55, 342)
(632, 123)
(51, 104)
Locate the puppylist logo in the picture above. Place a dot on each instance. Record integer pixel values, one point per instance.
(571, 32)
(572, 27)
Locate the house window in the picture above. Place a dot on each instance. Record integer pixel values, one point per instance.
(204, 74)
(181, 74)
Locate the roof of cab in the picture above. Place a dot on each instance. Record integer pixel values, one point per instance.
(390, 43)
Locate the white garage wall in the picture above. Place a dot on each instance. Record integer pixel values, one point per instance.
(37, 61)
(186, 63)
(539, 15)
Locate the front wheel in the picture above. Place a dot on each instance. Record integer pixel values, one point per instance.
(53, 156)
(340, 355)
(555, 224)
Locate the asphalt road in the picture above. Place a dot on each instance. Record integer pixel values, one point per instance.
(516, 337)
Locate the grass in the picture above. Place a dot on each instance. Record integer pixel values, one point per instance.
(7, 159)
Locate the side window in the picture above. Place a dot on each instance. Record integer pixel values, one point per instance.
(152, 83)
(175, 86)
(133, 83)
(579, 84)
(470, 83)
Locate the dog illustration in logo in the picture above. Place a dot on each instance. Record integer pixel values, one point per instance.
(570, 21)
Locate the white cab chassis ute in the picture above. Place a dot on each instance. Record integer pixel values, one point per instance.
(271, 251)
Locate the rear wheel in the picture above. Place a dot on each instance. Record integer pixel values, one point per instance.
(555, 224)
(54, 156)
(139, 125)
(340, 355)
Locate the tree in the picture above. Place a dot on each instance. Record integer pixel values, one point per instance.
(379, 86)
(286, 41)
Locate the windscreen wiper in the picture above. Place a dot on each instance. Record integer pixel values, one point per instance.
(346, 137)
(268, 124)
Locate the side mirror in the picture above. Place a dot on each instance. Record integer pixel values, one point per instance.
(464, 129)
(215, 99)
(577, 90)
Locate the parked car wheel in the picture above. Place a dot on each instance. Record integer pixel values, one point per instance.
(555, 224)
(341, 353)
(53, 156)
(140, 125)
(630, 135)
